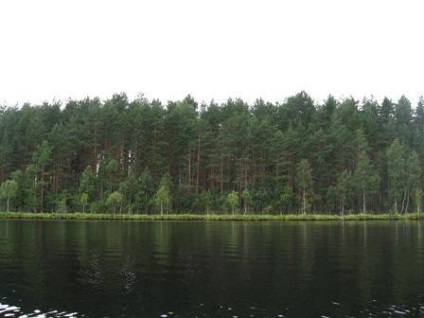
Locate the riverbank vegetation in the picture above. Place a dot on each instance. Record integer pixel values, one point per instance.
(298, 156)
(207, 217)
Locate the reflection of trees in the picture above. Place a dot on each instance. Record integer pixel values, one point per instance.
(184, 264)
(128, 276)
(93, 275)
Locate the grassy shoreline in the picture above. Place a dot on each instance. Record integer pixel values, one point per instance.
(209, 217)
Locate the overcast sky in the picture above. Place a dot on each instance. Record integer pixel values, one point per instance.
(213, 49)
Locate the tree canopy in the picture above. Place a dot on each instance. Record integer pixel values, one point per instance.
(141, 156)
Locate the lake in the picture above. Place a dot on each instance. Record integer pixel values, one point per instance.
(221, 269)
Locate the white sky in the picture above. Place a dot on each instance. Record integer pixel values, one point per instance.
(211, 49)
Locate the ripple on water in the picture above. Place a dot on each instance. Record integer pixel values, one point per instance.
(225, 310)
(203, 310)
(14, 311)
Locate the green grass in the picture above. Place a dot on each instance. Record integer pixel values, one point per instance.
(210, 217)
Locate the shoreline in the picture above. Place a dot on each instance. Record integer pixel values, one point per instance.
(206, 217)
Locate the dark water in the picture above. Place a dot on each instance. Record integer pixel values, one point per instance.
(181, 269)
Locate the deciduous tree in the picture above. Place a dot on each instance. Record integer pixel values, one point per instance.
(8, 190)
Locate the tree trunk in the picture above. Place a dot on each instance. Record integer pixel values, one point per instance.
(364, 203)
(130, 204)
(189, 171)
(407, 202)
(405, 199)
(34, 203)
(198, 164)
(8, 199)
(42, 190)
(222, 174)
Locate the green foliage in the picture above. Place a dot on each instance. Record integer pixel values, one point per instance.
(144, 192)
(247, 198)
(304, 183)
(163, 195)
(342, 156)
(232, 200)
(41, 155)
(365, 179)
(285, 199)
(211, 217)
(343, 190)
(207, 200)
(62, 206)
(8, 190)
(88, 182)
(83, 201)
(114, 200)
(396, 166)
(404, 173)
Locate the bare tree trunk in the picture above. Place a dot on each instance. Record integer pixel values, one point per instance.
(34, 203)
(42, 190)
(189, 171)
(222, 174)
(245, 175)
(198, 164)
(364, 203)
(407, 202)
(405, 199)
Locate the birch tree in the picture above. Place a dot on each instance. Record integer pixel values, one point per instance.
(366, 179)
(163, 194)
(304, 183)
(8, 190)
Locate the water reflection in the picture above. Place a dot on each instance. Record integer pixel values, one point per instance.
(92, 275)
(128, 275)
(153, 269)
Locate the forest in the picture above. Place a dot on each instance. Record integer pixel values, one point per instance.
(299, 156)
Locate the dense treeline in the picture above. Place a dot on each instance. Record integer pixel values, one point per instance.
(140, 156)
